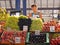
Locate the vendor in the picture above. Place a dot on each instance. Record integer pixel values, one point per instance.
(35, 13)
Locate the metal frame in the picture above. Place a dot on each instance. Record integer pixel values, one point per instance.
(41, 3)
(10, 3)
(24, 7)
(17, 4)
(43, 8)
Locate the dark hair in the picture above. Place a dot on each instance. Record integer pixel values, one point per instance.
(33, 5)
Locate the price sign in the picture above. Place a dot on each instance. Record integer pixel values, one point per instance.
(37, 32)
(17, 40)
(25, 28)
(52, 28)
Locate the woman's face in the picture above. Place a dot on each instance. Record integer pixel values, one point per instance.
(34, 9)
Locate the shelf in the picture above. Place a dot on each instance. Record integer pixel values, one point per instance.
(46, 32)
(37, 44)
(7, 43)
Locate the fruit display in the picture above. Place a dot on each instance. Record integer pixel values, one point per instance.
(24, 21)
(54, 35)
(11, 27)
(36, 24)
(55, 40)
(3, 16)
(12, 22)
(9, 36)
(37, 38)
(47, 25)
(57, 27)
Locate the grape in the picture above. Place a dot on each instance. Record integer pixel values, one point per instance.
(37, 38)
(12, 22)
(23, 20)
(36, 24)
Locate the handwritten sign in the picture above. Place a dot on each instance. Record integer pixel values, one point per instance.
(37, 32)
(17, 40)
(25, 28)
(52, 28)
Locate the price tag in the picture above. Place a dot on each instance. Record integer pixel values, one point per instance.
(37, 32)
(52, 28)
(25, 28)
(17, 40)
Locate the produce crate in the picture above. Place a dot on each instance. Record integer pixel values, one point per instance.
(37, 38)
(29, 42)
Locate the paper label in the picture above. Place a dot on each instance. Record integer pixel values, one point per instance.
(52, 28)
(37, 32)
(25, 28)
(17, 40)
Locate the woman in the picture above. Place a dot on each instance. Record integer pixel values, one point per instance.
(35, 13)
